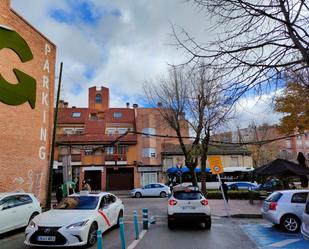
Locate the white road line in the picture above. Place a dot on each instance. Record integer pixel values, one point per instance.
(135, 242)
(284, 242)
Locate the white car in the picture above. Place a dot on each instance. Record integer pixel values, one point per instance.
(285, 208)
(188, 204)
(75, 220)
(153, 189)
(305, 224)
(17, 209)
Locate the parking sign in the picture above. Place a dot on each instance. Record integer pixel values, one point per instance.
(215, 165)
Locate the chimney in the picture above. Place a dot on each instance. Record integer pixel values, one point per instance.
(65, 104)
(73, 107)
(135, 106)
(128, 104)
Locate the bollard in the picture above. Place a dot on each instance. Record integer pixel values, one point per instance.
(99, 239)
(136, 225)
(145, 219)
(123, 242)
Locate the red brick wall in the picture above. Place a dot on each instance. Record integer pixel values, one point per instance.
(105, 98)
(20, 127)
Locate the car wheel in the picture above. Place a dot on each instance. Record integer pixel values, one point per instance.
(234, 187)
(32, 216)
(290, 223)
(170, 224)
(138, 195)
(120, 215)
(163, 194)
(92, 234)
(207, 224)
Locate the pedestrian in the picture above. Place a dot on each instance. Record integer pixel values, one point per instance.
(86, 186)
(59, 194)
(225, 189)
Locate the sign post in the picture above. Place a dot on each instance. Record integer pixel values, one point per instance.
(216, 169)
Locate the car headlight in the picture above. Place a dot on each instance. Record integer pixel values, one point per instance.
(78, 224)
(31, 224)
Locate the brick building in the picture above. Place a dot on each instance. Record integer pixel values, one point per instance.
(26, 104)
(86, 136)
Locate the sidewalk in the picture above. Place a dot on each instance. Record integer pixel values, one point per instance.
(238, 208)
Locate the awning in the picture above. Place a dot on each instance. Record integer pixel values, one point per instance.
(184, 169)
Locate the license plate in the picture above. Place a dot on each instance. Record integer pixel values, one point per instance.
(46, 238)
(187, 207)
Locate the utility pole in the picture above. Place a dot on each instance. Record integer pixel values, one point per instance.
(51, 162)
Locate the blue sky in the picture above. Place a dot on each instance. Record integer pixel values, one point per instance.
(120, 44)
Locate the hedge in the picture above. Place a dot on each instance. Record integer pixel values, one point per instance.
(234, 194)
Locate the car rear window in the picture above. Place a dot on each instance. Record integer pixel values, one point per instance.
(183, 195)
(274, 197)
(78, 202)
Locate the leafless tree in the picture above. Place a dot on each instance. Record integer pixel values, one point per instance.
(191, 96)
(257, 41)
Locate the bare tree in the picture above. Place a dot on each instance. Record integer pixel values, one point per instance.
(257, 40)
(191, 97)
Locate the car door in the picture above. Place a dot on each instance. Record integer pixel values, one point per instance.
(9, 214)
(147, 190)
(104, 214)
(298, 202)
(25, 208)
(113, 210)
(158, 189)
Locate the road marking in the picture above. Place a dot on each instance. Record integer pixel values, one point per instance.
(135, 242)
(284, 242)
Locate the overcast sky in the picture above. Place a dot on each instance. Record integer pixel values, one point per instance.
(121, 44)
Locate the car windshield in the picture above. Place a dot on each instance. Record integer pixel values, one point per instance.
(78, 202)
(183, 195)
(274, 197)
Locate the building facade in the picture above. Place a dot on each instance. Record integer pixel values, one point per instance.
(27, 67)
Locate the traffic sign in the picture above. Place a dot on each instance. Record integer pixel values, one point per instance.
(215, 165)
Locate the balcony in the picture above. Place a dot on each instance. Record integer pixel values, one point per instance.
(110, 159)
(74, 158)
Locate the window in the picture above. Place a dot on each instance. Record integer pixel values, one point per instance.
(122, 130)
(299, 198)
(117, 114)
(109, 150)
(150, 131)
(299, 144)
(68, 131)
(79, 131)
(234, 161)
(88, 152)
(288, 144)
(307, 144)
(98, 98)
(110, 131)
(149, 152)
(299, 137)
(76, 114)
(93, 116)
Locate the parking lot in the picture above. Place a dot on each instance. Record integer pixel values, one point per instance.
(225, 232)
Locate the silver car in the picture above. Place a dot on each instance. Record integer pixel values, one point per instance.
(305, 225)
(285, 208)
(153, 189)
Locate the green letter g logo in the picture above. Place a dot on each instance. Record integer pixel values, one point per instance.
(25, 90)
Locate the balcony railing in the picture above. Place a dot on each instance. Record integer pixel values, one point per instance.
(74, 158)
(112, 157)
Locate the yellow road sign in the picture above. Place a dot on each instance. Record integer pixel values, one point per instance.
(215, 165)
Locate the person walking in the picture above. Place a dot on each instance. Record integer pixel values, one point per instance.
(59, 194)
(225, 189)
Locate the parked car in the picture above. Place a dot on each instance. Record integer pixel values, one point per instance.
(188, 204)
(272, 185)
(153, 189)
(305, 224)
(285, 208)
(17, 210)
(75, 220)
(242, 185)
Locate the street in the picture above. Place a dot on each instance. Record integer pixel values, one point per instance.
(225, 232)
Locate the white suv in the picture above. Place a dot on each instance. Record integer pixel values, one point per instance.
(285, 208)
(188, 204)
(305, 225)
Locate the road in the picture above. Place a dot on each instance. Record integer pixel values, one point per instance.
(225, 233)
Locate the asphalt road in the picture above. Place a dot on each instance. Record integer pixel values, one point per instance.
(225, 232)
